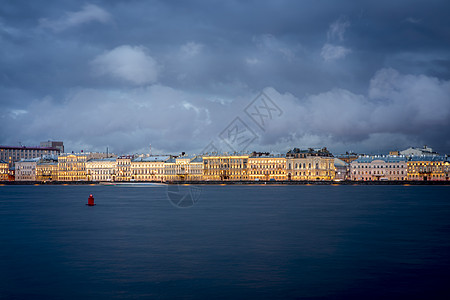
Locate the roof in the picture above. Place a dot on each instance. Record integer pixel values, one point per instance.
(36, 159)
(30, 148)
(197, 159)
(387, 159)
(171, 160)
(41, 163)
(151, 159)
(102, 159)
(429, 158)
(339, 163)
(269, 156)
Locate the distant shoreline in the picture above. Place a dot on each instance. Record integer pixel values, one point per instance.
(213, 182)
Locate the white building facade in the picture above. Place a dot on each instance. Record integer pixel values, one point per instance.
(375, 168)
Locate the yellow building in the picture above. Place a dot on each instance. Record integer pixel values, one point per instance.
(225, 167)
(262, 166)
(170, 170)
(101, 169)
(428, 168)
(310, 164)
(183, 168)
(3, 170)
(150, 168)
(72, 167)
(123, 168)
(47, 170)
(195, 171)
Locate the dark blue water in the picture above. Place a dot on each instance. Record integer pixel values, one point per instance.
(313, 242)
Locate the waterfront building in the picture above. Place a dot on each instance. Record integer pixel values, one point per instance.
(412, 151)
(4, 171)
(123, 168)
(25, 169)
(311, 164)
(101, 169)
(11, 154)
(374, 168)
(341, 169)
(170, 169)
(47, 169)
(428, 168)
(195, 171)
(264, 166)
(184, 168)
(150, 168)
(225, 167)
(72, 167)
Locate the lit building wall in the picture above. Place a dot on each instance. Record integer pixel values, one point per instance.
(429, 168)
(3, 171)
(101, 169)
(374, 168)
(310, 168)
(123, 168)
(267, 167)
(195, 169)
(26, 170)
(72, 167)
(149, 168)
(310, 164)
(225, 167)
(47, 170)
(170, 170)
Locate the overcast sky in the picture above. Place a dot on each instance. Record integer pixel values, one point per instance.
(363, 76)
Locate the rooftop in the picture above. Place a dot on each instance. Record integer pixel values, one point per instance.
(151, 159)
(388, 159)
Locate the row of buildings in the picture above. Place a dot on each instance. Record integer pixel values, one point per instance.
(295, 165)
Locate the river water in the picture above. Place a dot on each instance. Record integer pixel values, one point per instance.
(271, 242)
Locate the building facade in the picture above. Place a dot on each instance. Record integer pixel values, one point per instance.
(428, 168)
(413, 151)
(341, 169)
(225, 167)
(26, 169)
(4, 171)
(47, 169)
(263, 166)
(72, 167)
(101, 169)
(54, 145)
(311, 164)
(195, 172)
(375, 168)
(150, 168)
(123, 168)
(11, 155)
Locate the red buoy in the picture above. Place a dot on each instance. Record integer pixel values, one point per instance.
(90, 201)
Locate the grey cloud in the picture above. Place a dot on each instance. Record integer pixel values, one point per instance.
(89, 13)
(175, 73)
(331, 52)
(337, 29)
(129, 63)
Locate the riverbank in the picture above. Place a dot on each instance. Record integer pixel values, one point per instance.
(213, 182)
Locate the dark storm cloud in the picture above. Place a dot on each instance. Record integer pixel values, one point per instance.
(351, 75)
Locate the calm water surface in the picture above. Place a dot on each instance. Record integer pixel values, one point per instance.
(273, 242)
